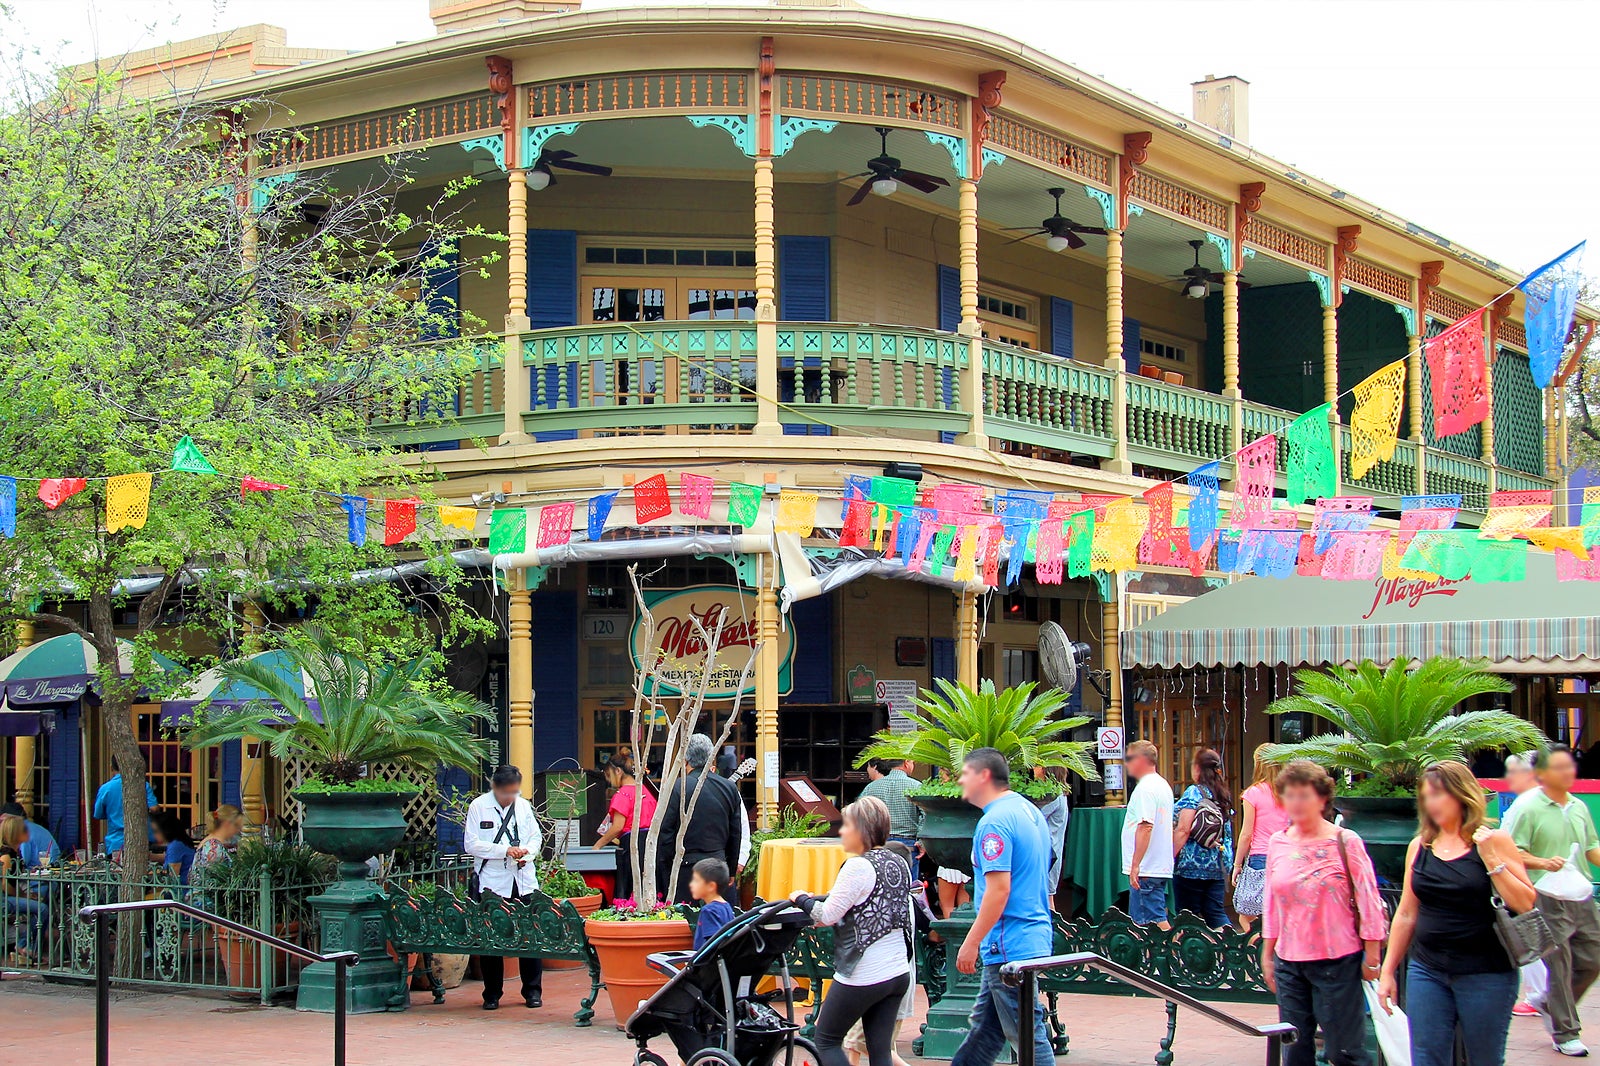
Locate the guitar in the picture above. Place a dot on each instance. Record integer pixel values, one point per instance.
(743, 770)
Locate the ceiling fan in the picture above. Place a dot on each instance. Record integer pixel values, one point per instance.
(1062, 232)
(884, 175)
(541, 175)
(1196, 281)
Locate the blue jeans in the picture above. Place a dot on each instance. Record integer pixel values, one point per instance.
(916, 860)
(997, 1018)
(30, 938)
(1206, 897)
(1325, 993)
(1147, 904)
(1480, 1003)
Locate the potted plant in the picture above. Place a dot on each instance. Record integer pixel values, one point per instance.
(560, 883)
(624, 935)
(1024, 724)
(344, 713)
(1392, 724)
(232, 889)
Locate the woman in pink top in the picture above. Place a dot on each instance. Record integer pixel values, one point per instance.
(1322, 923)
(620, 825)
(1263, 816)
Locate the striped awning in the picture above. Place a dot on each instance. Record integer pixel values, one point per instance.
(1536, 626)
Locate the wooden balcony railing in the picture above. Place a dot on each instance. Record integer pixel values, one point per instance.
(628, 379)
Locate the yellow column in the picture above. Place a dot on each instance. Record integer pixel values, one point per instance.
(1119, 396)
(1110, 659)
(967, 638)
(766, 304)
(1414, 401)
(252, 752)
(1230, 359)
(1330, 374)
(27, 748)
(971, 379)
(516, 398)
(767, 692)
(1554, 430)
(519, 663)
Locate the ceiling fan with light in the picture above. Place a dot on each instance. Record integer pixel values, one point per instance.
(541, 175)
(1196, 281)
(884, 175)
(1060, 232)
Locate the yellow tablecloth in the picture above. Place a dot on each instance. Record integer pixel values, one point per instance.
(809, 865)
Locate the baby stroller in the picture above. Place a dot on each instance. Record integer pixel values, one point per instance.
(709, 1008)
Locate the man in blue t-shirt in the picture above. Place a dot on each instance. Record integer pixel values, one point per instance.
(1010, 871)
(108, 808)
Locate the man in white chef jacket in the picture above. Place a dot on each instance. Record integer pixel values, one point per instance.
(502, 835)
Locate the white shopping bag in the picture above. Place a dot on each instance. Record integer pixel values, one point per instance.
(1570, 883)
(1394, 1033)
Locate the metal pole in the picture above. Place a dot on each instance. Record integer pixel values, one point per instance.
(1274, 1051)
(1028, 997)
(340, 966)
(104, 952)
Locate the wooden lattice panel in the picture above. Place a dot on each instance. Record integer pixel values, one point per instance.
(1518, 415)
(387, 130)
(1447, 308)
(715, 92)
(1023, 139)
(1376, 279)
(1286, 243)
(421, 811)
(824, 94)
(1174, 199)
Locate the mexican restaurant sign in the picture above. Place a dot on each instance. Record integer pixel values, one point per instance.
(683, 649)
(39, 692)
(1405, 594)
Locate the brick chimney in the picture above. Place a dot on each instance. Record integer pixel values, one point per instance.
(1224, 105)
(451, 15)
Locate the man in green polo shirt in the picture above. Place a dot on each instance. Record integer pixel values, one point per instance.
(1545, 823)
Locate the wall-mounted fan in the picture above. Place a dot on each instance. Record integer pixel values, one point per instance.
(541, 174)
(1060, 232)
(1197, 280)
(884, 175)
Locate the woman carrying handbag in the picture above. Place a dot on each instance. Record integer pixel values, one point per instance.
(1463, 882)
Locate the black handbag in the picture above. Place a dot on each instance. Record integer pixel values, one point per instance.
(1526, 936)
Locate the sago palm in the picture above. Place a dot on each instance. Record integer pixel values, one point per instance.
(363, 713)
(1396, 722)
(1022, 723)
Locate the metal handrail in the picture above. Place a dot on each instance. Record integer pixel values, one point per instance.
(105, 951)
(1026, 975)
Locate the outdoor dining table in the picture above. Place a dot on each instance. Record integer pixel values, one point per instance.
(1093, 860)
(800, 865)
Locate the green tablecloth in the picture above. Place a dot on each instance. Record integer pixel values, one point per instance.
(1094, 857)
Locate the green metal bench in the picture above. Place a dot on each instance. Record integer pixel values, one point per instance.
(811, 958)
(434, 921)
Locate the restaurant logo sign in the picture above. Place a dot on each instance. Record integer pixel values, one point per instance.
(1407, 592)
(682, 649)
(40, 691)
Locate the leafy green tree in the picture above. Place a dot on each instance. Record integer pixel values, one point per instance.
(368, 710)
(1396, 722)
(153, 289)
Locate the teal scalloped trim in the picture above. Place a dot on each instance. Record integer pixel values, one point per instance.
(1248, 253)
(991, 157)
(1324, 286)
(1408, 315)
(1104, 582)
(955, 146)
(261, 189)
(1344, 290)
(739, 127)
(1134, 210)
(533, 138)
(494, 144)
(746, 565)
(785, 131)
(1107, 202)
(1225, 246)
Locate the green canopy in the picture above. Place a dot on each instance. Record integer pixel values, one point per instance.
(1535, 626)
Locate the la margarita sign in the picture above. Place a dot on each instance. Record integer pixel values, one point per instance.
(683, 650)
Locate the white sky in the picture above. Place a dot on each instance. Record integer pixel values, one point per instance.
(1472, 118)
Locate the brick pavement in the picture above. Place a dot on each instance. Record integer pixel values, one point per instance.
(45, 1025)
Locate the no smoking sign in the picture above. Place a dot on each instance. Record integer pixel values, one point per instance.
(1109, 742)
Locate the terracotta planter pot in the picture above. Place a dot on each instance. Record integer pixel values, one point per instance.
(622, 947)
(241, 956)
(585, 905)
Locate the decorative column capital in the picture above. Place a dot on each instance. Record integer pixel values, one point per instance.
(501, 85)
(766, 67)
(1428, 279)
(1135, 154)
(1249, 202)
(1343, 247)
(983, 108)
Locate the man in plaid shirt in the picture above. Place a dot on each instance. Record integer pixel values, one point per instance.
(889, 781)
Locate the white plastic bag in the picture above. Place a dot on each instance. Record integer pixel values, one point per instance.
(1394, 1032)
(1570, 883)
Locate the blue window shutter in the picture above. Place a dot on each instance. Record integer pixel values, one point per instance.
(949, 298)
(555, 677)
(805, 279)
(813, 669)
(942, 658)
(1061, 327)
(1130, 345)
(553, 302)
(231, 765)
(65, 781)
(452, 782)
(441, 286)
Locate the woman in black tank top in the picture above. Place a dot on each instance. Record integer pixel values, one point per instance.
(1458, 975)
